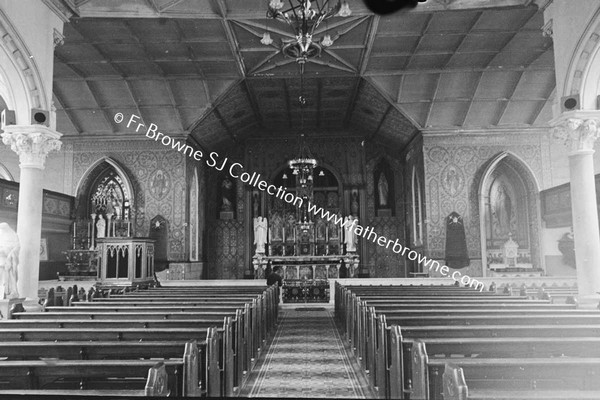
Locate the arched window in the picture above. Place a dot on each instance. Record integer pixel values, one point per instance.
(109, 196)
(194, 218)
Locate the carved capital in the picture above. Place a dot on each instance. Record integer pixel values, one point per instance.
(578, 130)
(32, 143)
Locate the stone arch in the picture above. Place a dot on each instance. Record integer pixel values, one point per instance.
(525, 187)
(583, 74)
(5, 173)
(90, 175)
(22, 84)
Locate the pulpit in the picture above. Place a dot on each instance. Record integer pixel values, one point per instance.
(125, 261)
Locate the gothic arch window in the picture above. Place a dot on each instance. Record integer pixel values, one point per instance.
(417, 208)
(105, 190)
(194, 218)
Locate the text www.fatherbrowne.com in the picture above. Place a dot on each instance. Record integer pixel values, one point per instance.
(237, 171)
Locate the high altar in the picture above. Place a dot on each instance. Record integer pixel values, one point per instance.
(306, 246)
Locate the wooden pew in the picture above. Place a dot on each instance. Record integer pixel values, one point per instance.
(157, 385)
(425, 381)
(455, 388)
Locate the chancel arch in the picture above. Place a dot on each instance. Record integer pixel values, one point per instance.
(509, 216)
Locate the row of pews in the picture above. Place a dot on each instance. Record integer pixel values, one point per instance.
(164, 341)
(455, 343)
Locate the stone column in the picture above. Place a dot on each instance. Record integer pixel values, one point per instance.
(32, 143)
(579, 130)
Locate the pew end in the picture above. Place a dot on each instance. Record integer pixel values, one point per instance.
(156, 385)
(455, 386)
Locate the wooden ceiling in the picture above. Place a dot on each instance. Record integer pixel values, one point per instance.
(197, 67)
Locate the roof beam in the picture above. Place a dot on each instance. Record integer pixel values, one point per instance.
(107, 116)
(224, 123)
(330, 65)
(537, 112)
(69, 117)
(253, 103)
(451, 70)
(231, 39)
(263, 62)
(435, 92)
(472, 100)
(170, 4)
(370, 39)
(352, 102)
(420, 39)
(385, 115)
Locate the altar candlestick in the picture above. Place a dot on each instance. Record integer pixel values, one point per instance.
(128, 229)
(74, 229)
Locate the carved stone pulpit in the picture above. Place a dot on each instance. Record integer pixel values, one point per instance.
(125, 261)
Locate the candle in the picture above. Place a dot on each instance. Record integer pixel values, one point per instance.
(128, 229)
(74, 229)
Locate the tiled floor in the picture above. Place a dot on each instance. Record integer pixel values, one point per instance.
(307, 358)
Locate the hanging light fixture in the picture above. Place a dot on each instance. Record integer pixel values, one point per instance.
(304, 16)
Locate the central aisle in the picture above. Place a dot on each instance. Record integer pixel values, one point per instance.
(307, 358)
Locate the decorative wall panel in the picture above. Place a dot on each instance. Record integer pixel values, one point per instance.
(158, 176)
(454, 167)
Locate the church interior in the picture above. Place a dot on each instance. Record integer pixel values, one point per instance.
(321, 198)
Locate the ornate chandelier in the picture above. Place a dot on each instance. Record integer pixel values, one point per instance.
(304, 16)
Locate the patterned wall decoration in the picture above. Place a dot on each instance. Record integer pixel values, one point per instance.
(227, 240)
(158, 176)
(382, 262)
(454, 167)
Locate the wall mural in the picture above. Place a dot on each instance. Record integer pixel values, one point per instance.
(158, 176)
(453, 173)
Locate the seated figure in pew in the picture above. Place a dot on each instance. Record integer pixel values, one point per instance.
(274, 277)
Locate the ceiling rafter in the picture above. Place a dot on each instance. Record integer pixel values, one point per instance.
(173, 105)
(344, 21)
(451, 70)
(380, 124)
(169, 5)
(225, 125)
(231, 39)
(352, 103)
(386, 96)
(131, 93)
(537, 112)
(420, 39)
(152, 4)
(435, 92)
(370, 39)
(264, 27)
(253, 103)
(69, 117)
(108, 118)
(467, 33)
(331, 65)
(400, 88)
(472, 99)
(502, 112)
(274, 65)
(340, 59)
(263, 62)
(213, 103)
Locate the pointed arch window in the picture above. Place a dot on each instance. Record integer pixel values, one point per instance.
(194, 218)
(109, 195)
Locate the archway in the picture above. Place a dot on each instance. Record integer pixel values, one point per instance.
(509, 212)
(105, 189)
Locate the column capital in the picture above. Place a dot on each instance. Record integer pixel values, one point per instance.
(32, 143)
(578, 129)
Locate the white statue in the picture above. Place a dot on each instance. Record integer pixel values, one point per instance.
(349, 235)
(101, 227)
(9, 260)
(260, 234)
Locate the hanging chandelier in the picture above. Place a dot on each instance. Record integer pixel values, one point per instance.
(304, 16)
